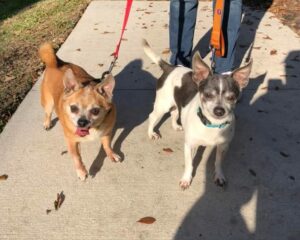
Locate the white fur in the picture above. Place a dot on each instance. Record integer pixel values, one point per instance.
(196, 133)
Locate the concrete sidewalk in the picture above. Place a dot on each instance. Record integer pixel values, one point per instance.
(262, 166)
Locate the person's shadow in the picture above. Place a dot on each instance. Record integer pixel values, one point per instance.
(133, 96)
(262, 198)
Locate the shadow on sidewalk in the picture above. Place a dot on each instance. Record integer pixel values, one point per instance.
(134, 96)
(262, 198)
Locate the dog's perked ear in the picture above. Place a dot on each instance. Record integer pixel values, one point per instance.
(106, 87)
(70, 81)
(200, 69)
(242, 74)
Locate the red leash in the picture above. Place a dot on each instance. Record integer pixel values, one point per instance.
(116, 52)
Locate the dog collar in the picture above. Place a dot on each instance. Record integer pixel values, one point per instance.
(207, 123)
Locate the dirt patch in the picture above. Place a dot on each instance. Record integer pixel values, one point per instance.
(285, 10)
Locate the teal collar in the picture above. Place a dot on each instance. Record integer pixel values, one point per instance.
(207, 123)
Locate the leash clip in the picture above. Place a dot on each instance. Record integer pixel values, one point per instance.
(112, 64)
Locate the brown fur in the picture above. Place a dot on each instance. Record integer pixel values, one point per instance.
(65, 84)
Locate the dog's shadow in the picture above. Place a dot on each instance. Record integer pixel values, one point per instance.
(133, 96)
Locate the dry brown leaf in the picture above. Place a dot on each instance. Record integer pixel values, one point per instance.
(166, 51)
(48, 211)
(3, 177)
(78, 49)
(8, 78)
(284, 154)
(273, 52)
(64, 152)
(59, 200)
(100, 64)
(106, 32)
(147, 220)
(267, 37)
(168, 150)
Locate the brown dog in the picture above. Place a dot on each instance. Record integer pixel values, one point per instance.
(83, 106)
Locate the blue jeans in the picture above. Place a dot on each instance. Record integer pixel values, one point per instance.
(183, 15)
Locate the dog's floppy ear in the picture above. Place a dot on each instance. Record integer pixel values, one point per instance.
(200, 69)
(70, 81)
(241, 75)
(106, 87)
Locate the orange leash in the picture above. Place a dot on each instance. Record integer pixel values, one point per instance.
(217, 41)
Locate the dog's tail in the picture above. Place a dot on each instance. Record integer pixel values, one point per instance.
(47, 55)
(153, 56)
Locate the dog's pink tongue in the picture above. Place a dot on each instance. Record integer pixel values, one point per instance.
(82, 132)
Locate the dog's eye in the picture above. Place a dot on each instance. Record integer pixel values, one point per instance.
(95, 111)
(230, 98)
(74, 109)
(208, 95)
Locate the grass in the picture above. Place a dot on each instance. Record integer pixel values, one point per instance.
(24, 25)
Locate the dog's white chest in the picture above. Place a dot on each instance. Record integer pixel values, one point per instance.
(196, 133)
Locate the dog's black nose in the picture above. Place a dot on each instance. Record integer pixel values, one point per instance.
(83, 122)
(219, 111)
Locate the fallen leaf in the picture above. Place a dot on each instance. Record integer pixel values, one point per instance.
(3, 177)
(167, 150)
(252, 172)
(267, 37)
(166, 25)
(48, 211)
(166, 51)
(292, 177)
(64, 152)
(59, 200)
(257, 48)
(147, 220)
(273, 52)
(106, 32)
(284, 154)
(8, 78)
(78, 49)
(100, 64)
(144, 27)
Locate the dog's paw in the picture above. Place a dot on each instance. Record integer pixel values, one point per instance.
(114, 157)
(154, 136)
(47, 125)
(185, 183)
(177, 127)
(220, 180)
(82, 173)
